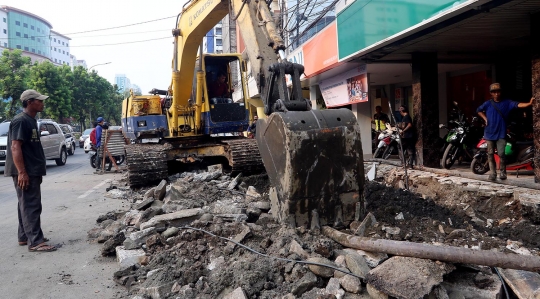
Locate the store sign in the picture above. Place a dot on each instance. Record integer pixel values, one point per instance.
(348, 88)
(320, 52)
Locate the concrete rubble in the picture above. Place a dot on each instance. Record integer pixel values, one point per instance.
(168, 244)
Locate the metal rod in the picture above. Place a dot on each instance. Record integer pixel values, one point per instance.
(441, 253)
(400, 148)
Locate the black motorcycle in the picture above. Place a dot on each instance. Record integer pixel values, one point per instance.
(461, 140)
(93, 155)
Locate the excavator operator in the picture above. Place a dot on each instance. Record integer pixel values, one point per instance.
(219, 88)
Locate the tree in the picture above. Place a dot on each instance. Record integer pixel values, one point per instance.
(14, 70)
(53, 81)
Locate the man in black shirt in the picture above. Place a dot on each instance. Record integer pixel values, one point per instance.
(26, 164)
(407, 135)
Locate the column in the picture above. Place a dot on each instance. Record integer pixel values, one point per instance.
(313, 96)
(535, 65)
(426, 107)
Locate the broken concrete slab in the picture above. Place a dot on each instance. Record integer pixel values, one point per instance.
(246, 232)
(238, 293)
(160, 190)
(149, 194)
(144, 204)
(261, 205)
(373, 259)
(297, 248)
(233, 217)
(438, 292)
(351, 284)
(356, 263)
(334, 287)
(374, 293)
(234, 182)
(252, 194)
(469, 285)
(136, 239)
(306, 283)
(215, 168)
(179, 218)
(406, 277)
(525, 284)
(368, 222)
(110, 245)
(321, 270)
(128, 258)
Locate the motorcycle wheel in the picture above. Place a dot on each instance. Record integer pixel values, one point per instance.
(480, 165)
(450, 156)
(93, 161)
(388, 152)
(119, 159)
(378, 152)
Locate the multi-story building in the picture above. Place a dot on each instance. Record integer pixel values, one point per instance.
(59, 48)
(123, 82)
(213, 41)
(77, 62)
(136, 89)
(33, 35)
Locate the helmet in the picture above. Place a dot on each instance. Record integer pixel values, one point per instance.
(105, 126)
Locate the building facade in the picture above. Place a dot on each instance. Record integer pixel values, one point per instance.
(123, 82)
(33, 35)
(213, 41)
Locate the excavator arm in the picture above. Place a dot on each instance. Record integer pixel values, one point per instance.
(313, 157)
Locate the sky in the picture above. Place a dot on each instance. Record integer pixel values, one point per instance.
(147, 64)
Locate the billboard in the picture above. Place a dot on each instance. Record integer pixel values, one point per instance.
(348, 88)
(320, 52)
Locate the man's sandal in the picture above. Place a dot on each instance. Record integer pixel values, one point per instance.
(43, 247)
(24, 243)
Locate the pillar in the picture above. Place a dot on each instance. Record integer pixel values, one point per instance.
(535, 74)
(313, 96)
(426, 107)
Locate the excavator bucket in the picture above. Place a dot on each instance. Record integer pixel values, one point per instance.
(314, 162)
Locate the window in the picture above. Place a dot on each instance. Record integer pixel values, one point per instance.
(25, 35)
(55, 40)
(26, 49)
(25, 25)
(19, 47)
(63, 52)
(5, 21)
(63, 44)
(52, 129)
(38, 30)
(5, 31)
(17, 23)
(39, 52)
(32, 27)
(5, 45)
(54, 49)
(17, 34)
(218, 31)
(39, 40)
(218, 42)
(33, 50)
(55, 60)
(33, 37)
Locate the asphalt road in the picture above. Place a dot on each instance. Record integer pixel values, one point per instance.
(72, 198)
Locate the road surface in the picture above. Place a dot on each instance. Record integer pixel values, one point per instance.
(72, 198)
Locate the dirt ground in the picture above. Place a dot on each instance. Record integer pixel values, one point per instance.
(194, 264)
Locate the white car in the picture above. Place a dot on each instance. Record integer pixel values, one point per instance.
(84, 136)
(4, 128)
(87, 145)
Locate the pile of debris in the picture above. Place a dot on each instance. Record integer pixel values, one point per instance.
(208, 235)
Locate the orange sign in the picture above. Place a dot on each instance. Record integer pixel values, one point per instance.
(320, 53)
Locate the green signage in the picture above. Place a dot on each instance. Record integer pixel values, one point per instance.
(366, 22)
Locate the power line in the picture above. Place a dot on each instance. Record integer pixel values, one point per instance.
(116, 27)
(123, 43)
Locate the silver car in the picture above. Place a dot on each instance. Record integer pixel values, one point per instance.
(70, 138)
(52, 140)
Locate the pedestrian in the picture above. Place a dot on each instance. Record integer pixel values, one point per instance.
(252, 129)
(407, 135)
(99, 129)
(26, 164)
(495, 113)
(380, 119)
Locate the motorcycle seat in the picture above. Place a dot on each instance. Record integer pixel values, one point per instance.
(524, 142)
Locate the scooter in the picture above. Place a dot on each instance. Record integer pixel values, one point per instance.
(93, 154)
(384, 141)
(393, 147)
(518, 157)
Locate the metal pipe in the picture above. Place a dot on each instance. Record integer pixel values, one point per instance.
(441, 253)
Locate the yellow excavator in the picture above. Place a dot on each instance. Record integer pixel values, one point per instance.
(313, 157)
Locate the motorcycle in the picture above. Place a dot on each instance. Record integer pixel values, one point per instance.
(461, 141)
(93, 155)
(518, 157)
(384, 141)
(393, 147)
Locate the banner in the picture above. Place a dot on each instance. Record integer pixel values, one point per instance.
(348, 88)
(320, 52)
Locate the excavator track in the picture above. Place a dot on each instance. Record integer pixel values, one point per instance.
(146, 163)
(244, 156)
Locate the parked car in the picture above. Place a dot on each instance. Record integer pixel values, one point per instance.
(4, 128)
(52, 140)
(70, 138)
(84, 136)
